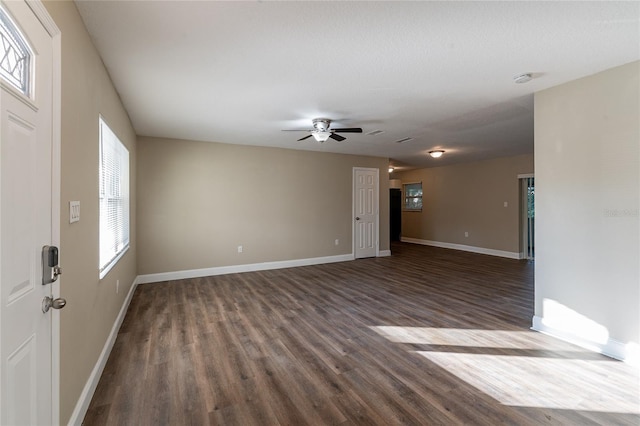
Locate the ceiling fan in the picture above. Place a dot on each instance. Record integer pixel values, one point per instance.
(321, 131)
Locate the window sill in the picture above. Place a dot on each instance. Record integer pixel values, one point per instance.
(113, 262)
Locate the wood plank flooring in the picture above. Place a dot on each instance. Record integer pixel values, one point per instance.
(428, 336)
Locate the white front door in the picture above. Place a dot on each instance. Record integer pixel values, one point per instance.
(365, 212)
(27, 219)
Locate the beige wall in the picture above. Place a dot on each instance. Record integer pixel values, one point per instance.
(587, 149)
(198, 201)
(93, 305)
(469, 198)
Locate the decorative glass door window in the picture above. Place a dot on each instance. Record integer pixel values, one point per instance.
(15, 57)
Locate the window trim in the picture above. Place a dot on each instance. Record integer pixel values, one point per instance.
(104, 269)
(404, 197)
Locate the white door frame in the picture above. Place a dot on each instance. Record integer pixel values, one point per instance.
(353, 208)
(40, 11)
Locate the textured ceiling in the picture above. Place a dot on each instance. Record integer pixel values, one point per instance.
(440, 73)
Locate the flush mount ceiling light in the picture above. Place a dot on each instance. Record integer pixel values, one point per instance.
(522, 78)
(436, 153)
(390, 169)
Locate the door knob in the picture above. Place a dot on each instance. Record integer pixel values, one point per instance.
(357, 218)
(49, 302)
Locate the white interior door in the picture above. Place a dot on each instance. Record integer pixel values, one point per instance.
(365, 212)
(26, 216)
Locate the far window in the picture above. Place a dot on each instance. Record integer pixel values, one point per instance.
(15, 56)
(413, 196)
(114, 199)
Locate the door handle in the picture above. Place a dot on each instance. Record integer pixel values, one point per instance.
(49, 302)
(357, 218)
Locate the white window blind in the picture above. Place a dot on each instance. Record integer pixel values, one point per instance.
(114, 198)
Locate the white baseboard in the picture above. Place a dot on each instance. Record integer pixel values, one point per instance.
(90, 387)
(234, 269)
(480, 250)
(612, 348)
(384, 253)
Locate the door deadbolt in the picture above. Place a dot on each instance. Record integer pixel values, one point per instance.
(50, 268)
(49, 302)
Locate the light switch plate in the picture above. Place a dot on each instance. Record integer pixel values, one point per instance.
(74, 211)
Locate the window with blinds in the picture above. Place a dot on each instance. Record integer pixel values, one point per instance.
(413, 197)
(114, 198)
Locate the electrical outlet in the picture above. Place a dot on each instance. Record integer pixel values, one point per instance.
(337, 241)
(506, 204)
(466, 234)
(239, 249)
(117, 286)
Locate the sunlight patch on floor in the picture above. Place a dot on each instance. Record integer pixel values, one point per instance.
(470, 338)
(552, 379)
(569, 384)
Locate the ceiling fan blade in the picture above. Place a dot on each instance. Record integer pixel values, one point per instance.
(295, 130)
(337, 137)
(348, 130)
(306, 137)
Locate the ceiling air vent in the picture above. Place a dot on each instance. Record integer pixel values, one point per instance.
(375, 132)
(404, 140)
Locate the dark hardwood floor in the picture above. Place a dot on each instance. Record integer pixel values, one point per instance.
(427, 336)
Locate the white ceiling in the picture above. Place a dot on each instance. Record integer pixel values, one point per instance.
(438, 72)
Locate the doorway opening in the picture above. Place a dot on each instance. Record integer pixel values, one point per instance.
(395, 213)
(528, 216)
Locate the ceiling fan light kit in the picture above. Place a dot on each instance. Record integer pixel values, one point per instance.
(321, 136)
(321, 131)
(437, 153)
